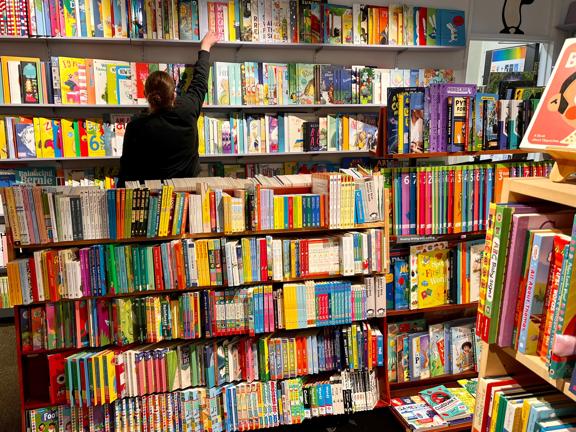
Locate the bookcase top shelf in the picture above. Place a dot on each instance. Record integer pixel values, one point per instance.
(537, 188)
(227, 44)
(81, 243)
(289, 107)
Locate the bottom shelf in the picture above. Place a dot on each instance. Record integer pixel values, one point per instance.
(466, 426)
(409, 388)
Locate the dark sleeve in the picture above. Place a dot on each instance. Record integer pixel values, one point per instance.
(191, 92)
(128, 160)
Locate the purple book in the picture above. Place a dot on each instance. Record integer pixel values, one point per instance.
(443, 92)
(433, 118)
(84, 271)
(521, 223)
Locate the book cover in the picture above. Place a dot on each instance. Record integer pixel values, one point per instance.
(436, 332)
(445, 404)
(432, 278)
(417, 413)
(417, 122)
(451, 29)
(462, 347)
(401, 287)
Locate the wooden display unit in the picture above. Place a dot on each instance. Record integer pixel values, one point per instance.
(503, 361)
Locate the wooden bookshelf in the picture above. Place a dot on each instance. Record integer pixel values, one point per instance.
(432, 310)
(283, 232)
(504, 361)
(221, 45)
(416, 238)
(449, 154)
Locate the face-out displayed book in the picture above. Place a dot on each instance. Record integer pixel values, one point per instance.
(294, 21)
(418, 350)
(435, 408)
(435, 274)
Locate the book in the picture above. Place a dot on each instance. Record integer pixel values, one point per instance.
(448, 407)
(417, 413)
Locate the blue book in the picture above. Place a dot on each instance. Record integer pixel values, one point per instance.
(82, 27)
(95, 9)
(359, 217)
(450, 27)
(401, 289)
(390, 290)
(111, 205)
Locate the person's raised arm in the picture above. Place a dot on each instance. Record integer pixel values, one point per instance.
(191, 92)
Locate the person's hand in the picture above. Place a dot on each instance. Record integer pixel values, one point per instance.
(208, 41)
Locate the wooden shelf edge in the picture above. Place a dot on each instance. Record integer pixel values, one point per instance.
(538, 367)
(538, 188)
(449, 154)
(442, 308)
(197, 236)
(433, 381)
(416, 238)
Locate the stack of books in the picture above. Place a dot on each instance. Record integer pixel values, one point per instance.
(437, 407)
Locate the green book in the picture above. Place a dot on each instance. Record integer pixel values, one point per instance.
(502, 225)
(172, 370)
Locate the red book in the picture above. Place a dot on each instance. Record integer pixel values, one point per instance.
(142, 72)
(221, 21)
(475, 217)
(180, 271)
(214, 319)
(428, 202)
(157, 259)
(212, 211)
(304, 263)
(81, 314)
(290, 212)
(83, 138)
(422, 17)
(263, 260)
(52, 266)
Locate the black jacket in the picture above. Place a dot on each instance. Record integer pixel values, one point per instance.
(164, 144)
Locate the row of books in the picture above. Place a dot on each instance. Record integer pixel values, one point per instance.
(417, 350)
(338, 200)
(101, 270)
(435, 274)
(523, 403)
(73, 81)
(240, 133)
(70, 80)
(455, 117)
(260, 83)
(436, 407)
(450, 199)
(295, 21)
(234, 407)
(244, 311)
(168, 367)
(528, 261)
(40, 137)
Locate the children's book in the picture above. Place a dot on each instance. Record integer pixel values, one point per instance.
(417, 413)
(436, 332)
(432, 278)
(445, 403)
(462, 348)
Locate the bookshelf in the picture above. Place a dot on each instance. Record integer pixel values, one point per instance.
(504, 361)
(33, 364)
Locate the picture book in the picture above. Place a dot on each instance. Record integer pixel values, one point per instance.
(462, 346)
(436, 332)
(445, 404)
(554, 106)
(419, 356)
(432, 278)
(415, 251)
(401, 284)
(395, 329)
(450, 27)
(417, 413)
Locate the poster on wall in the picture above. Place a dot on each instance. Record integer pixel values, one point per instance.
(554, 124)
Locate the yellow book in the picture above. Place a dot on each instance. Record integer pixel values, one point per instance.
(205, 265)
(68, 137)
(354, 333)
(297, 211)
(111, 84)
(106, 18)
(345, 133)
(205, 209)
(432, 278)
(227, 204)
(111, 377)
(290, 305)
(46, 138)
(277, 218)
(201, 140)
(400, 122)
(3, 139)
(231, 20)
(95, 139)
(70, 84)
(247, 259)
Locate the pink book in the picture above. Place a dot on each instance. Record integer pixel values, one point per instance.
(428, 203)
(521, 223)
(422, 203)
(405, 217)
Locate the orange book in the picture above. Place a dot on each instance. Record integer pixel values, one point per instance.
(458, 202)
(501, 172)
(383, 26)
(90, 82)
